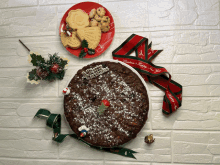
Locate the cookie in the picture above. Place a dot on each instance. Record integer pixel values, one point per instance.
(99, 24)
(77, 19)
(92, 13)
(101, 11)
(93, 22)
(91, 34)
(105, 19)
(70, 41)
(104, 24)
(98, 18)
(105, 27)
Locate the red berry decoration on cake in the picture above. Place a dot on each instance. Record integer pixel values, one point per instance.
(106, 103)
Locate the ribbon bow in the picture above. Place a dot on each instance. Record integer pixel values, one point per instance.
(54, 121)
(150, 72)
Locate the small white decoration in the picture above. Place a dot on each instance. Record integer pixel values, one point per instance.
(69, 34)
(83, 127)
(94, 72)
(66, 91)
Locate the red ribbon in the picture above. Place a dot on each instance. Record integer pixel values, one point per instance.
(150, 72)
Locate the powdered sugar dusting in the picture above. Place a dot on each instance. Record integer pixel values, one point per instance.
(119, 119)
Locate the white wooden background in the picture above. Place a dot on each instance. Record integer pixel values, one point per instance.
(187, 31)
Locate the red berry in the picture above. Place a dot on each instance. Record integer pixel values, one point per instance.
(85, 49)
(64, 91)
(55, 68)
(106, 103)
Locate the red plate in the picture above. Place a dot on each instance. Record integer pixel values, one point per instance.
(106, 38)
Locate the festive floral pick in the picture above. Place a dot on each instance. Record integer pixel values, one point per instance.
(49, 70)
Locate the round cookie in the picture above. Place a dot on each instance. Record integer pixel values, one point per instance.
(98, 18)
(101, 11)
(104, 24)
(93, 22)
(92, 13)
(105, 19)
(105, 27)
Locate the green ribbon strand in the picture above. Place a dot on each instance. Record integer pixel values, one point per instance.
(54, 121)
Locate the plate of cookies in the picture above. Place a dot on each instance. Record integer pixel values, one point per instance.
(87, 29)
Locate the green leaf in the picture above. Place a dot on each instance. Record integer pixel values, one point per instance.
(84, 44)
(91, 51)
(50, 77)
(62, 63)
(61, 75)
(37, 60)
(101, 109)
(82, 54)
(44, 66)
(33, 75)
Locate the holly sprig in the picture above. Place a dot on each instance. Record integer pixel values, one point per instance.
(33, 75)
(48, 70)
(101, 109)
(104, 105)
(86, 50)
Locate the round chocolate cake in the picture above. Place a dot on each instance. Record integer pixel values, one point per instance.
(108, 101)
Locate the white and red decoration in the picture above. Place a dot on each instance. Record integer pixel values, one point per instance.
(83, 129)
(66, 91)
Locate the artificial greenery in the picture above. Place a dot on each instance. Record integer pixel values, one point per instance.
(85, 44)
(82, 54)
(101, 109)
(49, 70)
(86, 50)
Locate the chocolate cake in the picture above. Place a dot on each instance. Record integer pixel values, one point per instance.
(117, 85)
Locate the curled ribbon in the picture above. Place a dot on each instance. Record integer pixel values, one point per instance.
(156, 75)
(54, 121)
